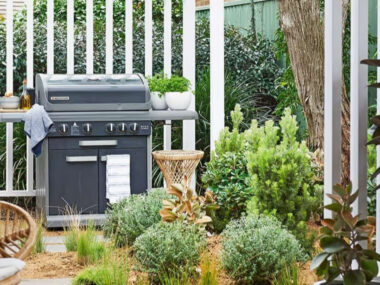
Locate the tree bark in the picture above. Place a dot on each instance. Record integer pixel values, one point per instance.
(303, 28)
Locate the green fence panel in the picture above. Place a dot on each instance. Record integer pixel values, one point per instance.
(239, 14)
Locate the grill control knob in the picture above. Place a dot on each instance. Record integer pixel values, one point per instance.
(110, 128)
(134, 128)
(64, 129)
(123, 127)
(87, 128)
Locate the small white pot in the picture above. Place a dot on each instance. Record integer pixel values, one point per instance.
(178, 101)
(158, 103)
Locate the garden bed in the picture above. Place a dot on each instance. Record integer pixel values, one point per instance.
(65, 265)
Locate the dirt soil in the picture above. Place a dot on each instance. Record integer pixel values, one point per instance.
(51, 265)
(65, 265)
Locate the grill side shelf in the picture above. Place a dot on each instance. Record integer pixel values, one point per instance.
(109, 116)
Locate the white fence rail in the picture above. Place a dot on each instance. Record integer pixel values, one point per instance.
(217, 64)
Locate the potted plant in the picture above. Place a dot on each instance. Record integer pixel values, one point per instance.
(157, 89)
(343, 260)
(178, 95)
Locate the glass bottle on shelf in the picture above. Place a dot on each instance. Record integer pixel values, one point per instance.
(25, 100)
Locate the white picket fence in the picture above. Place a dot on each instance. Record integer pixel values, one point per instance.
(216, 62)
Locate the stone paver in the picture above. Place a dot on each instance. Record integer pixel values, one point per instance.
(55, 247)
(65, 281)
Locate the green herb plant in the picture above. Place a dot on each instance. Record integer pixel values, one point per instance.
(341, 239)
(177, 84)
(157, 84)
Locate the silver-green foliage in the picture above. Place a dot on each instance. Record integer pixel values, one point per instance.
(281, 175)
(256, 248)
(129, 218)
(173, 248)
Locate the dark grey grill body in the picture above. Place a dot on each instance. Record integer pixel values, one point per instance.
(71, 172)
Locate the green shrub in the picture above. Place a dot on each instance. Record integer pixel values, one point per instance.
(169, 248)
(129, 218)
(113, 270)
(256, 248)
(71, 239)
(39, 246)
(226, 174)
(89, 249)
(281, 175)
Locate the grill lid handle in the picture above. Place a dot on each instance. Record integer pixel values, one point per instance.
(81, 158)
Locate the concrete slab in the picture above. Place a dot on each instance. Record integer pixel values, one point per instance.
(54, 239)
(64, 281)
(55, 247)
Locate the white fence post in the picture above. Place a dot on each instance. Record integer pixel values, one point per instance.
(109, 36)
(129, 36)
(9, 80)
(333, 95)
(89, 37)
(167, 64)
(30, 82)
(216, 70)
(70, 36)
(50, 37)
(359, 103)
(148, 38)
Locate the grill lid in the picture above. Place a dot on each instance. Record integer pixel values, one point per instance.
(81, 92)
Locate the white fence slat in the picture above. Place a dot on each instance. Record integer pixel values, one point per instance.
(89, 37)
(9, 87)
(359, 104)
(70, 36)
(167, 64)
(188, 130)
(109, 36)
(216, 70)
(148, 38)
(128, 36)
(333, 95)
(189, 67)
(50, 37)
(29, 78)
(9, 158)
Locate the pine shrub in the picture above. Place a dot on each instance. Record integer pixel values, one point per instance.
(169, 248)
(256, 248)
(281, 175)
(129, 218)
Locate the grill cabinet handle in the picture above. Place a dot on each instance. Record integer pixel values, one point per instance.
(98, 143)
(81, 158)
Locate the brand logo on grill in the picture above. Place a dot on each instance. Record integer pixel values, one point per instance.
(60, 98)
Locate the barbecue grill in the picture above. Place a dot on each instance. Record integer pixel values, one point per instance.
(94, 116)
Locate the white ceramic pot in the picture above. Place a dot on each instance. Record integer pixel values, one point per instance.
(158, 103)
(10, 102)
(178, 101)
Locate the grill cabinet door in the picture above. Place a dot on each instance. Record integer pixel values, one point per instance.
(73, 181)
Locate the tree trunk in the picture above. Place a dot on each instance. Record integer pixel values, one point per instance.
(301, 23)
